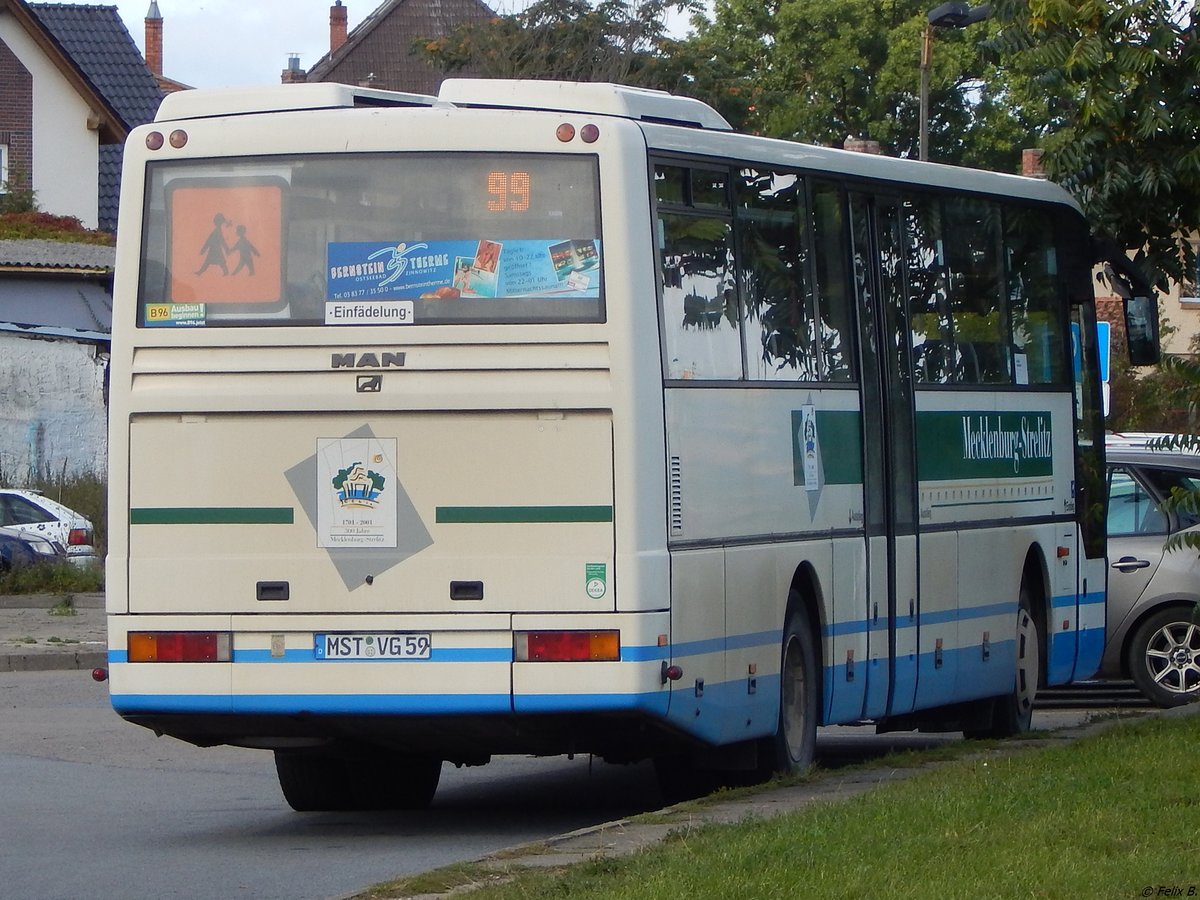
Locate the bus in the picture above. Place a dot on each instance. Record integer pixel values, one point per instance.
(553, 418)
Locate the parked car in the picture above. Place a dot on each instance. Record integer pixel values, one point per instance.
(19, 549)
(31, 512)
(1153, 623)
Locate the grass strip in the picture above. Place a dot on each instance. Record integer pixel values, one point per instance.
(1112, 815)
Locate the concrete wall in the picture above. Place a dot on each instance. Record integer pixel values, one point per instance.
(53, 416)
(66, 153)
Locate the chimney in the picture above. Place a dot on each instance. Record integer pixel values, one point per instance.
(862, 145)
(337, 26)
(1031, 163)
(154, 39)
(293, 74)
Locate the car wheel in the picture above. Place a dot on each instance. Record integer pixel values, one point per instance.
(1164, 657)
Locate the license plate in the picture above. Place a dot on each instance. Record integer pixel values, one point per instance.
(374, 645)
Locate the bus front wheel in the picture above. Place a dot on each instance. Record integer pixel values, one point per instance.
(791, 749)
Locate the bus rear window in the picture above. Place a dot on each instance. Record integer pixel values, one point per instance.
(382, 239)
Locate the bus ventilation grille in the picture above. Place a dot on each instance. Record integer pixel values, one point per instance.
(676, 476)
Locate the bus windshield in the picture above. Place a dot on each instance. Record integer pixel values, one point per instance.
(371, 239)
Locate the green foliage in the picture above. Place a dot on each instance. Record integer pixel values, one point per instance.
(53, 578)
(1155, 399)
(564, 40)
(31, 225)
(823, 70)
(1125, 75)
(16, 196)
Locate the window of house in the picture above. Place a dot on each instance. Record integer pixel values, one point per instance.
(3, 168)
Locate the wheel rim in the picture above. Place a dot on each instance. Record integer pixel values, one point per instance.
(794, 708)
(1173, 657)
(1028, 662)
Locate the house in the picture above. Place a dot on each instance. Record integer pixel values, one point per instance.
(55, 322)
(72, 86)
(378, 53)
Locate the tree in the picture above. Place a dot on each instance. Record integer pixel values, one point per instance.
(1126, 146)
(565, 40)
(823, 70)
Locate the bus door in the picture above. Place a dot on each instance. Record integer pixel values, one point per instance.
(889, 465)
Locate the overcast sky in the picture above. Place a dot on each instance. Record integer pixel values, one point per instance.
(228, 43)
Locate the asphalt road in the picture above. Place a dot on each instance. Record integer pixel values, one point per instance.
(95, 807)
(98, 808)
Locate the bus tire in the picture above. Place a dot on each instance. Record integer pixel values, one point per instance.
(313, 782)
(791, 749)
(1012, 714)
(384, 781)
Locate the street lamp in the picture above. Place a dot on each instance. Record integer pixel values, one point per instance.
(948, 15)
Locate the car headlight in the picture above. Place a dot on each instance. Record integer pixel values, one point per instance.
(42, 548)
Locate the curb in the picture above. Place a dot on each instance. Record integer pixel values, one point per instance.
(51, 662)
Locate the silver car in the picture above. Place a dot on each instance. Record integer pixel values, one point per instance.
(1153, 624)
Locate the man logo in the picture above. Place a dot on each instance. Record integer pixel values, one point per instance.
(390, 360)
(370, 384)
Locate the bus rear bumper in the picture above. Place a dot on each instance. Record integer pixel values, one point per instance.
(468, 695)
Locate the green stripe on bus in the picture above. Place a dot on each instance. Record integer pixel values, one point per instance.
(213, 515)
(512, 514)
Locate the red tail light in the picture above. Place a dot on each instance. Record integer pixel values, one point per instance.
(567, 646)
(79, 537)
(179, 646)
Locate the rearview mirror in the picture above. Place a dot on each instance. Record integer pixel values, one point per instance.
(1141, 330)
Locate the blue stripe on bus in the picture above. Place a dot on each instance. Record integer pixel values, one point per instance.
(317, 704)
(654, 703)
(1088, 599)
(651, 703)
(650, 653)
(720, 645)
(935, 686)
(940, 617)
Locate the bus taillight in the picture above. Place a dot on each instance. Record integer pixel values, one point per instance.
(567, 646)
(180, 646)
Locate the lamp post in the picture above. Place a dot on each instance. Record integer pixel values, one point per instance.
(948, 15)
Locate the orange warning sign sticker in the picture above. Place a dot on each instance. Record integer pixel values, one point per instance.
(227, 244)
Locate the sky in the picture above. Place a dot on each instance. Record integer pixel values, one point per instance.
(231, 43)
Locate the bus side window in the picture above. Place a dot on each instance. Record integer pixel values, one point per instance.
(835, 316)
(700, 309)
(774, 274)
(1036, 305)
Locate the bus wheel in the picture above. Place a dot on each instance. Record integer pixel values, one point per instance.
(313, 782)
(790, 751)
(1013, 713)
(384, 781)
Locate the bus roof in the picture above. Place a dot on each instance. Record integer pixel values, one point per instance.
(200, 104)
(707, 132)
(790, 154)
(577, 97)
